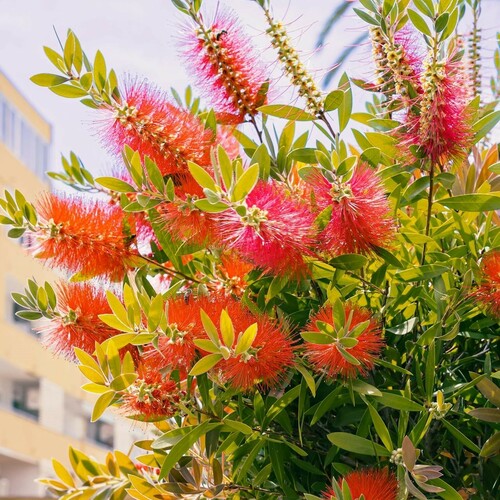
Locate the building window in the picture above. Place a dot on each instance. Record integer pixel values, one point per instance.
(18, 135)
(26, 397)
(101, 432)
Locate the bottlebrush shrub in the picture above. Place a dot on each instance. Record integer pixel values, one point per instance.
(311, 315)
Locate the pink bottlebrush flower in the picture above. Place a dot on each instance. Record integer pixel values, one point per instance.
(269, 356)
(442, 128)
(360, 218)
(78, 325)
(150, 124)
(182, 219)
(327, 358)
(274, 234)
(488, 292)
(227, 67)
(90, 237)
(151, 397)
(373, 484)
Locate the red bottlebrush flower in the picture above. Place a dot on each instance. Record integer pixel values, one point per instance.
(227, 67)
(274, 234)
(80, 305)
(85, 236)
(488, 293)
(176, 350)
(329, 359)
(373, 484)
(182, 219)
(266, 360)
(443, 128)
(360, 218)
(151, 125)
(151, 397)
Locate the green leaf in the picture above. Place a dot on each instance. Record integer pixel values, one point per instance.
(29, 315)
(366, 17)
(425, 272)
(182, 447)
(357, 444)
(485, 125)
(205, 364)
(286, 112)
(246, 339)
(226, 329)
(48, 80)
(246, 183)
(123, 381)
(477, 202)
(398, 402)
(419, 22)
(364, 388)
(345, 109)
(317, 338)
(102, 403)
(304, 155)
(441, 22)
(209, 327)
(380, 427)
(492, 446)
(70, 91)
(461, 437)
(333, 100)
(238, 426)
(213, 208)
(202, 177)
(278, 406)
(115, 184)
(308, 377)
(349, 261)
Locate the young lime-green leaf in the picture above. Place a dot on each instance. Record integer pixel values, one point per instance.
(226, 167)
(207, 345)
(205, 364)
(210, 328)
(113, 358)
(69, 91)
(286, 112)
(317, 338)
(338, 315)
(62, 473)
(123, 381)
(349, 261)
(202, 177)
(226, 329)
(246, 183)
(348, 357)
(477, 202)
(348, 342)
(333, 100)
(419, 22)
(206, 206)
(102, 403)
(115, 184)
(357, 444)
(246, 339)
(156, 312)
(48, 80)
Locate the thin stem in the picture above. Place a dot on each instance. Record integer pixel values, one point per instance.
(325, 120)
(254, 123)
(429, 210)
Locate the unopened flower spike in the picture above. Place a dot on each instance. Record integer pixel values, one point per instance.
(293, 67)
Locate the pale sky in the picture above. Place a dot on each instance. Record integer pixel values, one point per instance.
(138, 37)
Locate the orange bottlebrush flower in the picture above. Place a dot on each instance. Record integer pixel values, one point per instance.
(182, 219)
(270, 354)
(85, 236)
(360, 219)
(227, 67)
(274, 233)
(488, 292)
(151, 397)
(230, 274)
(373, 484)
(176, 350)
(267, 360)
(153, 126)
(78, 325)
(338, 357)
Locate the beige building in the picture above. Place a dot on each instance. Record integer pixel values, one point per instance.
(42, 408)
